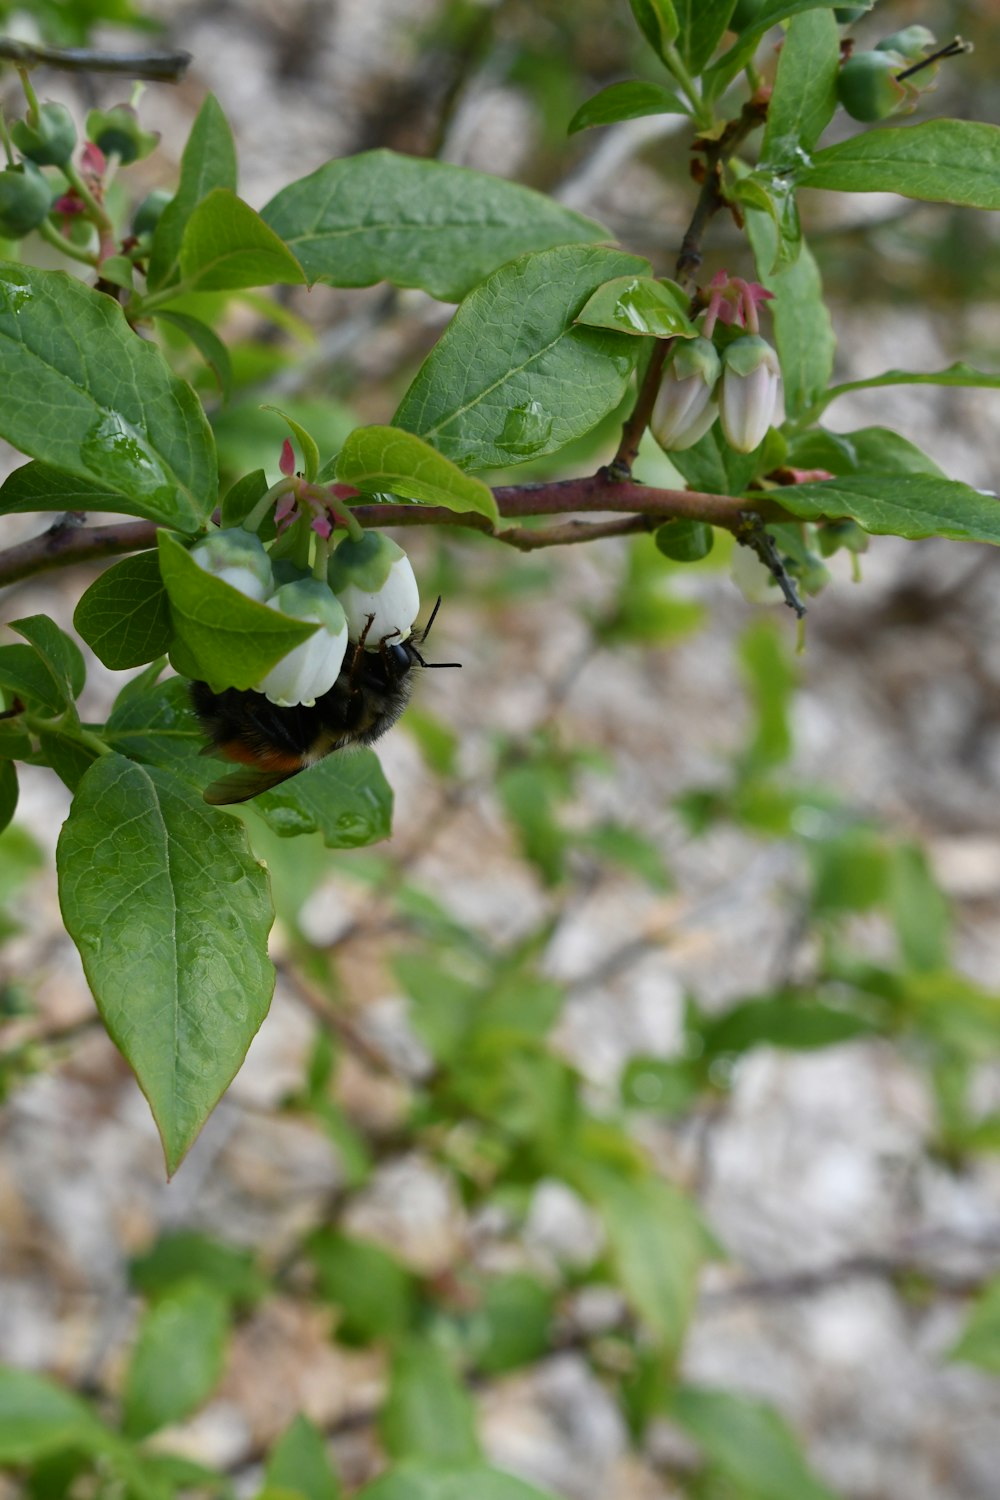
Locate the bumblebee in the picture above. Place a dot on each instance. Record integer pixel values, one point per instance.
(273, 744)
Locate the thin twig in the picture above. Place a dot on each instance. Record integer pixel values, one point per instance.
(159, 67)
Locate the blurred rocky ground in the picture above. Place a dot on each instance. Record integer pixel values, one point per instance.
(814, 1173)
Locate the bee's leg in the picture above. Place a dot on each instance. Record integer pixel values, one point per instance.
(358, 655)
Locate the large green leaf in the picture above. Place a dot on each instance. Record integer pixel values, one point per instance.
(657, 1244)
(428, 1413)
(747, 1444)
(178, 1356)
(170, 912)
(378, 459)
(513, 377)
(384, 217)
(420, 1481)
(345, 797)
(657, 20)
(58, 651)
(37, 486)
(958, 374)
(124, 616)
(209, 161)
(804, 97)
(38, 1417)
(803, 331)
(940, 161)
(154, 723)
(626, 101)
(227, 245)
(231, 641)
(910, 505)
(86, 395)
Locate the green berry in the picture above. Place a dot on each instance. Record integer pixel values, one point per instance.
(147, 215)
(25, 200)
(867, 86)
(50, 140)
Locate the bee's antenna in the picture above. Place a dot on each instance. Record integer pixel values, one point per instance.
(427, 628)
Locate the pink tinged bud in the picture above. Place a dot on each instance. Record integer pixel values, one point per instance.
(750, 393)
(321, 525)
(286, 462)
(93, 161)
(684, 409)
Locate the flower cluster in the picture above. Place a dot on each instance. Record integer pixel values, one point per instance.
(740, 384)
(369, 594)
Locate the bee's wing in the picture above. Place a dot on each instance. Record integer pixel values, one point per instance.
(241, 785)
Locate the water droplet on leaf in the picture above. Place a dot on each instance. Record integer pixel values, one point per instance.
(526, 429)
(116, 452)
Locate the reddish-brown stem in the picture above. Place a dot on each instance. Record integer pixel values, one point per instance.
(66, 542)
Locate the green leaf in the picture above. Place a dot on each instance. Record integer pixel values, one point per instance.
(125, 421)
(240, 499)
(702, 23)
(633, 851)
(299, 1463)
(850, 873)
(940, 161)
(209, 161)
(38, 1417)
(60, 654)
(154, 723)
(513, 1324)
(803, 332)
(640, 305)
(770, 678)
(657, 20)
(747, 1444)
(804, 97)
(177, 1359)
(685, 541)
(379, 216)
(428, 1413)
(8, 793)
(774, 196)
(170, 912)
(958, 374)
(886, 452)
(513, 377)
(37, 486)
(227, 246)
(657, 1245)
(376, 1295)
(666, 1086)
(713, 467)
(919, 910)
(345, 797)
(231, 639)
(788, 1020)
(419, 1481)
(67, 755)
(23, 674)
(626, 101)
(720, 75)
(185, 1255)
(378, 459)
(208, 344)
(124, 616)
(979, 1343)
(910, 505)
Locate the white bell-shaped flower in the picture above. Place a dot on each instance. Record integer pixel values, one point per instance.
(750, 393)
(311, 668)
(238, 558)
(684, 409)
(374, 582)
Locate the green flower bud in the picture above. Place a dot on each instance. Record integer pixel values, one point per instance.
(911, 43)
(50, 140)
(147, 215)
(374, 582)
(118, 133)
(238, 558)
(867, 86)
(25, 200)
